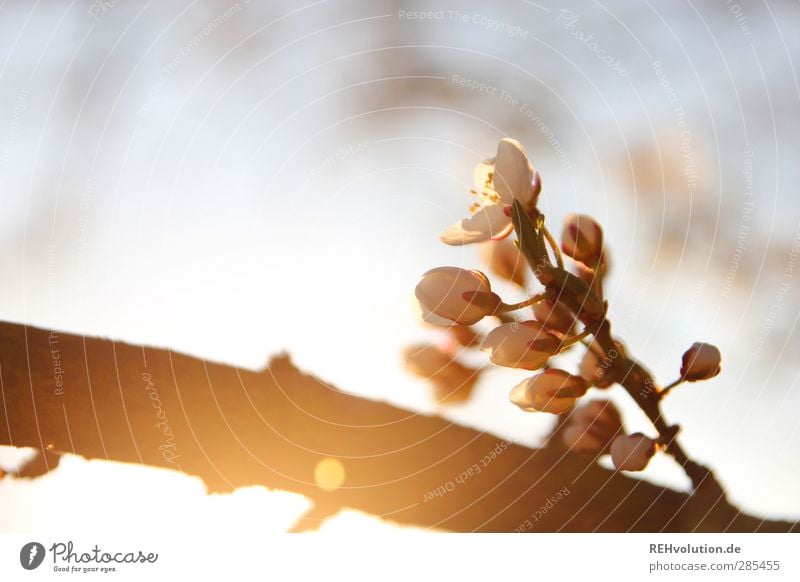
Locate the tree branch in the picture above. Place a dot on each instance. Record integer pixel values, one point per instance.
(100, 399)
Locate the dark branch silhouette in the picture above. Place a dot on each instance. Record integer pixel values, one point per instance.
(101, 399)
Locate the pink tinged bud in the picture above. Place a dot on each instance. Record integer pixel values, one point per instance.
(701, 362)
(632, 452)
(554, 315)
(505, 260)
(582, 239)
(553, 391)
(457, 295)
(592, 427)
(520, 345)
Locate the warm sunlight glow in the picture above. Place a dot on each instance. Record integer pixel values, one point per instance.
(329, 474)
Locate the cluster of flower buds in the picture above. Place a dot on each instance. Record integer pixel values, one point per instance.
(459, 298)
(452, 381)
(507, 190)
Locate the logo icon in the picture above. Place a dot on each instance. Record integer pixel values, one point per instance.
(31, 555)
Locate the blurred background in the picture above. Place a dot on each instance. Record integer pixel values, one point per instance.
(237, 179)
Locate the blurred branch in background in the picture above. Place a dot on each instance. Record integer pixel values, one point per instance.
(285, 430)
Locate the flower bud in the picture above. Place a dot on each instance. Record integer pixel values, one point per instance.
(582, 239)
(554, 315)
(553, 391)
(452, 381)
(701, 362)
(458, 295)
(520, 345)
(505, 260)
(592, 427)
(597, 370)
(632, 452)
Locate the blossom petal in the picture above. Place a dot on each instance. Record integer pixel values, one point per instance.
(481, 173)
(488, 222)
(513, 174)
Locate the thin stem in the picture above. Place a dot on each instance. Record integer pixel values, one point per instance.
(574, 339)
(554, 246)
(506, 307)
(637, 382)
(666, 389)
